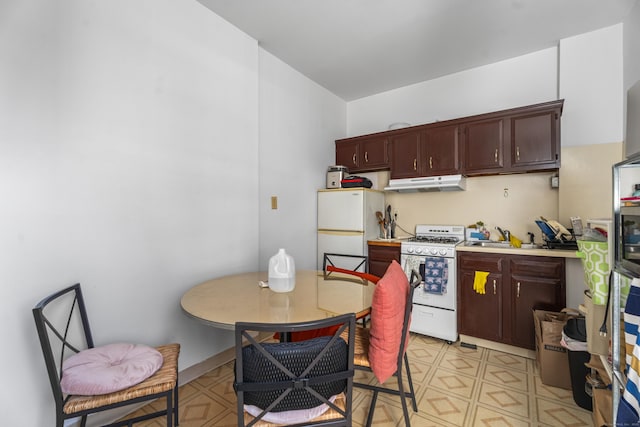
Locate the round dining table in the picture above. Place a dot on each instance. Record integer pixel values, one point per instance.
(223, 301)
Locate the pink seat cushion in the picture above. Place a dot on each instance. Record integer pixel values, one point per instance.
(387, 317)
(109, 368)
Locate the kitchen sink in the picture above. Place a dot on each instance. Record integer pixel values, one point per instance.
(489, 244)
(503, 245)
(530, 246)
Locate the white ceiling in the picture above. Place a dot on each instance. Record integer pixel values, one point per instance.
(356, 48)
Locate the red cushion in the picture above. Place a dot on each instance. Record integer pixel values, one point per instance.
(387, 317)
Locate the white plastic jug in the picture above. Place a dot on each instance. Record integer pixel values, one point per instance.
(282, 272)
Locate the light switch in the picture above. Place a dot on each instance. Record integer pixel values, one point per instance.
(274, 202)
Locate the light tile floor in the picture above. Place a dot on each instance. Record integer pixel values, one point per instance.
(455, 386)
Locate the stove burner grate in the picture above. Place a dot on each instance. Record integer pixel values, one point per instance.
(434, 239)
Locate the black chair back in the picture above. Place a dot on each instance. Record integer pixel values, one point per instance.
(346, 261)
(408, 309)
(63, 330)
(285, 376)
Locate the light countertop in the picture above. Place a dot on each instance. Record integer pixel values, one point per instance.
(387, 242)
(558, 253)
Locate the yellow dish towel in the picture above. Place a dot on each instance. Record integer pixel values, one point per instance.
(515, 242)
(479, 281)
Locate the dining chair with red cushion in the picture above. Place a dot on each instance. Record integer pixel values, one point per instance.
(382, 348)
(354, 265)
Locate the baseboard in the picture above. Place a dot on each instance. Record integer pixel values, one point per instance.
(195, 371)
(505, 348)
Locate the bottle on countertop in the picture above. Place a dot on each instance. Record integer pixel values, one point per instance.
(282, 272)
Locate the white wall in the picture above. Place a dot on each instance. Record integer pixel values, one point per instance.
(139, 146)
(631, 58)
(128, 162)
(515, 82)
(299, 122)
(590, 78)
(632, 47)
(591, 83)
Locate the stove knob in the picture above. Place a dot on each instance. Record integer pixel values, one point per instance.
(418, 250)
(410, 250)
(434, 251)
(443, 252)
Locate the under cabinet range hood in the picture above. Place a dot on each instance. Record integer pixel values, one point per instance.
(428, 183)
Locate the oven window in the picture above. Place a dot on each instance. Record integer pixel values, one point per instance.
(631, 238)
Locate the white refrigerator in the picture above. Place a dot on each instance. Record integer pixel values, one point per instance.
(346, 221)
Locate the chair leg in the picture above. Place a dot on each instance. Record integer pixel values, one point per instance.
(169, 410)
(403, 399)
(372, 408)
(175, 404)
(411, 390)
(83, 421)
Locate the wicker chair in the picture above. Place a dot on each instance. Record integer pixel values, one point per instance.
(63, 328)
(362, 360)
(276, 378)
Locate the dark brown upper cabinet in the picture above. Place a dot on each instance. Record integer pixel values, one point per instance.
(405, 155)
(484, 146)
(441, 150)
(363, 153)
(535, 140)
(524, 139)
(425, 151)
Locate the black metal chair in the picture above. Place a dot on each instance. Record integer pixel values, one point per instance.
(402, 362)
(63, 328)
(276, 378)
(356, 265)
(347, 261)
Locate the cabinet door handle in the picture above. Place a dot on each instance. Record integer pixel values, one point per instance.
(518, 153)
(366, 156)
(494, 286)
(430, 162)
(415, 164)
(353, 159)
(495, 156)
(518, 291)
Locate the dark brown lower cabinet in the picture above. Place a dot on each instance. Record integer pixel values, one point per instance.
(380, 256)
(515, 286)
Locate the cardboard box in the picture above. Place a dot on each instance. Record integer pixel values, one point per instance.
(602, 407)
(551, 357)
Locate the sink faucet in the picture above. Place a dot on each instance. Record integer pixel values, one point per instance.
(532, 237)
(506, 234)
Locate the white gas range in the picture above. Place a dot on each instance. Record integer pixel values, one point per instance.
(432, 252)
